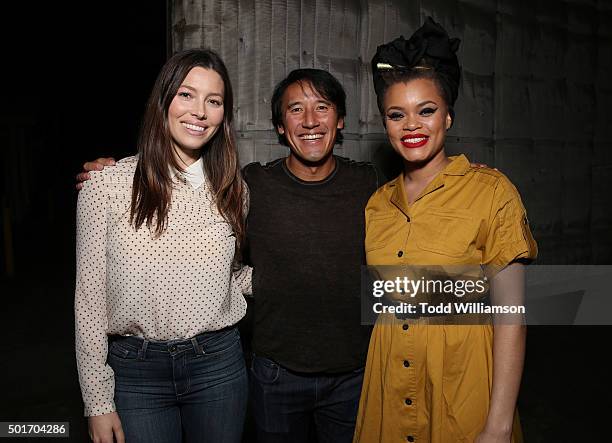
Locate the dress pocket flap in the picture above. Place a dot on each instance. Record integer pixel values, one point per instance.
(445, 232)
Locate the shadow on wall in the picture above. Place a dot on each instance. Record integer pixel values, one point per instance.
(386, 161)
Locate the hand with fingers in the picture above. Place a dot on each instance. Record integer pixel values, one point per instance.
(96, 165)
(106, 428)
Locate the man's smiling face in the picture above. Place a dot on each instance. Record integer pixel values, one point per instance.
(310, 123)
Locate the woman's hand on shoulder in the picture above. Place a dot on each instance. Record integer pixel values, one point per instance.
(96, 165)
(102, 428)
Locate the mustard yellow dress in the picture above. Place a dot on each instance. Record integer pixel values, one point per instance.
(426, 382)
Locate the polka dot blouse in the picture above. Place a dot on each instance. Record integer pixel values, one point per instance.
(130, 283)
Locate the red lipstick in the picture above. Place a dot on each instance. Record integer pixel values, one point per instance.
(414, 140)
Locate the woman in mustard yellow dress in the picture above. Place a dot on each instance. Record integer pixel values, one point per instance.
(426, 381)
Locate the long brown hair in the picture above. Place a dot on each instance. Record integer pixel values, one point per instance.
(152, 190)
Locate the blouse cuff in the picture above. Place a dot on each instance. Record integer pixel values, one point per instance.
(99, 408)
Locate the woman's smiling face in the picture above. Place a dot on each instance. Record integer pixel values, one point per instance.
(196, 111)
(416, 119)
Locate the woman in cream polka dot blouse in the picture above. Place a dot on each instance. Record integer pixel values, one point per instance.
(159, 289)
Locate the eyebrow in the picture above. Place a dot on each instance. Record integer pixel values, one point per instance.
(191, 88)
(426, 102)
(399, 108)
(299, 102)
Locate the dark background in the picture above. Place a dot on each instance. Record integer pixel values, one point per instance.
(76, 80)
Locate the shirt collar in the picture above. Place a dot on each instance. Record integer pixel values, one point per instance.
(194, 174)
(459, 165)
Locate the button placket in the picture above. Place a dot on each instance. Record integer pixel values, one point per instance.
(401, 251)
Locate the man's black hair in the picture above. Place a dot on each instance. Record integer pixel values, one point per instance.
(322, 82)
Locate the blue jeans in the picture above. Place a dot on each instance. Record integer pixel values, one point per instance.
(192, 390)
(294, 407)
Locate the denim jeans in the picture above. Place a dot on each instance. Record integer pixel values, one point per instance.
(192, 390)
(294, 407)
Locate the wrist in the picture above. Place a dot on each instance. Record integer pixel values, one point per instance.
(498, 427)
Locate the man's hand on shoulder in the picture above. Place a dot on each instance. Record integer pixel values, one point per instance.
(96, 165)
(482, 165)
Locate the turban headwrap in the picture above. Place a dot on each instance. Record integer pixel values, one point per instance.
(429, 42)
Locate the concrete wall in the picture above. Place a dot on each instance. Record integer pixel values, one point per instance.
(532, 102)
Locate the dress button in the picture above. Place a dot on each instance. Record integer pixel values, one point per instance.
(173, 348)
(400, 253)
(410, 438)
(408, 401)
(406, 363)
(405, 327)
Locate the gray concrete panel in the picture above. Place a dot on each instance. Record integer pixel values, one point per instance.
(552, 12)
(548, 108)
(602, 115)
(476, 150)
(580, 123)
(577, 165)
(513, 117)
(548, 53)
(601, 212)
(514, 45)
(480, 30)
(247, 92)
(602, 154)
(581, 58)
(582, 17)
(474, 108)
(534, 99)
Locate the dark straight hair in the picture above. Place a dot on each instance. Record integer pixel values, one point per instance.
(321, 81)
(152, 190)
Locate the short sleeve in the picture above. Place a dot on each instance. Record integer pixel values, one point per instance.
(509, 237)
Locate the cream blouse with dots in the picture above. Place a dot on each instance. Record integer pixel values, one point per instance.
(130, 283)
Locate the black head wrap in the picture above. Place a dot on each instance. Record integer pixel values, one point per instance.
(431, 42)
